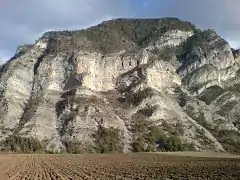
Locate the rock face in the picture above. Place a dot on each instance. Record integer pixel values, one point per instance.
(65, 85)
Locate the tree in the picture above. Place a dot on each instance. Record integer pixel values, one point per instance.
(24, 144)
(149, 138)
(108, 140)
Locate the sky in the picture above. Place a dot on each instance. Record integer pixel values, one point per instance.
(24, 21)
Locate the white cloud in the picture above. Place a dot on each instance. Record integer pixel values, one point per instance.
(234, 43)
(223, 15)
(25, 21)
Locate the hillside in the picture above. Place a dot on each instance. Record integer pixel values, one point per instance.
(123, 85)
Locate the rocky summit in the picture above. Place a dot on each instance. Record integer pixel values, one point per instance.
(123, 85)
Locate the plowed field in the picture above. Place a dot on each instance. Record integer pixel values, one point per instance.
(116, 166)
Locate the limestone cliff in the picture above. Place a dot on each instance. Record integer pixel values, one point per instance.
(67, 83)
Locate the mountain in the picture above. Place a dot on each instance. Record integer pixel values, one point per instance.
(123, 85)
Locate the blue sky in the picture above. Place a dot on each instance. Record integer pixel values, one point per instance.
(24, 21)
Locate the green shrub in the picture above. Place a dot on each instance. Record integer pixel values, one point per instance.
(229, 139)
(201, 119)
(114, 35)
(76, 147)
(149, 138)
(24, 144)
(211, 93)
(108, 140)
(199, 39)
(166, 53)
(227, 107)
(182, 99)
(138, 144)
(140, 95)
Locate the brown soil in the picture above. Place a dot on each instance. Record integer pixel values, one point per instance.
(116, 166)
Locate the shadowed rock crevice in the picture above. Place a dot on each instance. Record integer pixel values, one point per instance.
(65, 113)
(37, 64)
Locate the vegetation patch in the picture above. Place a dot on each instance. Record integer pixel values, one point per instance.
(235, 87)
(229, 139)
(227, 107)
(182, 99)
(211, 93)
(24, 144)
(199, 39)
(149, 138)
(29, 111)
(138, 97)
(204, 140)
(66, 119)
(115, 35)
(77, 147)
(166, 53)
(108, 140)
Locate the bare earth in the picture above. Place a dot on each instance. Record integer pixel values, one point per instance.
(117, 166)
(200, 154)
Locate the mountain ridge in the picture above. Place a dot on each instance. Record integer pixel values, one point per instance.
(144, 84)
